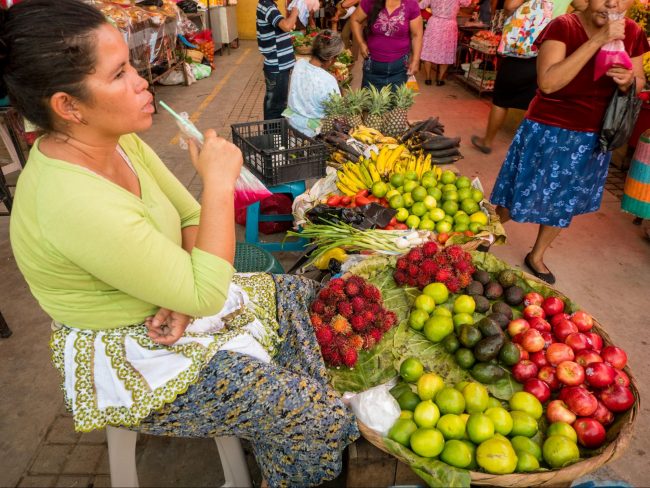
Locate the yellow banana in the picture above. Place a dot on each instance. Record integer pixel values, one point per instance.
(437, 171)
(397, 152)
(344, 189)
(374, 174)
(369, 130)
(427, 164)
(419, 161)
(381, 159)
(345, 180)
(350, 173)
(374, 155)
(356, 170)
(367, 179)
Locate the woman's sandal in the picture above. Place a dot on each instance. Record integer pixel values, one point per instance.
(427, 82)
(476, 142)
(440, 82)
(548, 277)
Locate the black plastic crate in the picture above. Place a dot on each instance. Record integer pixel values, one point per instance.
(276, 153)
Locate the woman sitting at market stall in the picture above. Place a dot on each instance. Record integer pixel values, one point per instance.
(555, 169)
(122, 257)
(389, 35)
(311, 84)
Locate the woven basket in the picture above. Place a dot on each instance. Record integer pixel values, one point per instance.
(556, 477)
(303, 50)
(195, 55)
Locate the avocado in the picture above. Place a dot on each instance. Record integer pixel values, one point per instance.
(488, 348)
(450, 343)
(489, 327)
(500, 319)
(487, 373)
(507, 278)
(482, 304)
(475, 288)
(469, 335)
(503, 308)
(465, 358)
(493, 290)
(513, 295)
(481, 276)
(509, 354)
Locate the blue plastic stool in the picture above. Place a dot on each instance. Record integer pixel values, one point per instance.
(250, 258)
(253, 218)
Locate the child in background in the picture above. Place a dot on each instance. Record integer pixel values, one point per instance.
(311, 84)
(274, 43)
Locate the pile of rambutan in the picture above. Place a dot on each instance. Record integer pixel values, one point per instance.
(428, 263)
(348, 315)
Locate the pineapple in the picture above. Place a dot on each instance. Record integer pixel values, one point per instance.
(356, 101)
(396, 120)
(378, 104)
(335, 110)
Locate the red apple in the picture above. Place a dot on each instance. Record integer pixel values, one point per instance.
(577, 341)
(581, 402)
(595, 340)
(621, 378)
(517, 326)
(540, 324)
(603, 415)
(614, 356)
(553, 305)
(523, 354)
(532, 340)
(548, 339)
(617, 398)
(570, 373)
(555, 319)
(564, 328)
(538, 388)
(547, 375)
(534, 311)
(533, 298)
(524, 370)
(539, 358)
(587, 356)
(600, 375)
(583, 320)
(517, 339)
(557, 411)
(558, 352)
(591, 433)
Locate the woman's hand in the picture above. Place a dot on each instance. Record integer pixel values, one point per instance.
(414, 67)
(217, 157)
(166, 327)
(613, 30)
(363, 50)
(624, 78)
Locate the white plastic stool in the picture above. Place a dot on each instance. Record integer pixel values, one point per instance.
(121, 458)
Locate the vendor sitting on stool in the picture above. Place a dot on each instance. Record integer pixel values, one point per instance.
(311, 84)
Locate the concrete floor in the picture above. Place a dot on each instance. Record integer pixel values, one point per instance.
(602, 262)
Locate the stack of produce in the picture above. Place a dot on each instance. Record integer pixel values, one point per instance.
(349, 316)
(485, 41)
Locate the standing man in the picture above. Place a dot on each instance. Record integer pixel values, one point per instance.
(274, 42)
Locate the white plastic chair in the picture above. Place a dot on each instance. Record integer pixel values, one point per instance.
(121, 457)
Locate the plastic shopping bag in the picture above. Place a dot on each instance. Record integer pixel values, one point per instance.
(304, 8)
(612, 54)
(375, 407)
(248, 189)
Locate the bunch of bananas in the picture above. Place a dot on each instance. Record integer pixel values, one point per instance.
(368, 135)
(353, 177)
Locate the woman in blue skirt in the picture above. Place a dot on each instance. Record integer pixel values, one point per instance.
(554, 169)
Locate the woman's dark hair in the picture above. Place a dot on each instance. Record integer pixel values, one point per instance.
(47, 46)
(377, 5)
(327, 45)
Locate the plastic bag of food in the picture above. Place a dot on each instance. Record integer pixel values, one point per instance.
(375, 407)
(248, 189)
(612, 54)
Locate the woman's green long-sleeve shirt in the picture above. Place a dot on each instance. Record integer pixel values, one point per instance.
(96, 256)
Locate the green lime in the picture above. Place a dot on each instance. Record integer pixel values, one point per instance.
(408, 400)
(463, 318)
(501, 418)
(418, 318)
(426, 414)
(406, 414)
(465, 358)
(450, 400)
(479, 427)
(562, 428)
(443, 227)
(463, 182)
(419, 193)
(426, 224)
(413, 221)
(464, 304)
(427, 442)
(450, 343)
(402, 214)
(525, 444)
(477, 195)
(396, 202)
(438, 327)
(409, 186)
(496, 456)
(411, 175)
(451, 426)
(464, 193)
(559, 450)
(456, 453)
(526, 402)
(434, 192)
(425, 302)
(429, 385)
(448, 196)
(379, 189)
(437, 291)
(450, 207)
(419, 209)
(408, 200)
(411, 369)
(476, 398)
(523, 424)
(442, 311)
(428, 181)
(402, 430)
(472, 448)
(526, 462)
(494, 403)
(397, 180)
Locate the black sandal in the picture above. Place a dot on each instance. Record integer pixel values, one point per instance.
(440, 82)
(427, 82)
(548, 277)
(476, 142)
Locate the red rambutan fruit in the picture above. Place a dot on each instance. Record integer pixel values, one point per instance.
(415, 255)
(443, 275)
(316, 321)
(412, 281)
(324, 336)
(340, 325)
(463, 267)
(350, 357)
(345, 309)
(402, 264)
(429, 267)
(375, 308)
(423, 280)
(358, 304)
(372, 293)
(400, 277)
(455, 252)
(352, 288)
(358, 323)
(453, 285)
(390, 318)
(376, 334)
(318, 306)
(369, 317)
(464, 280)
(429, 248)
(356, 341)
(325, 294)
(413, 270)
